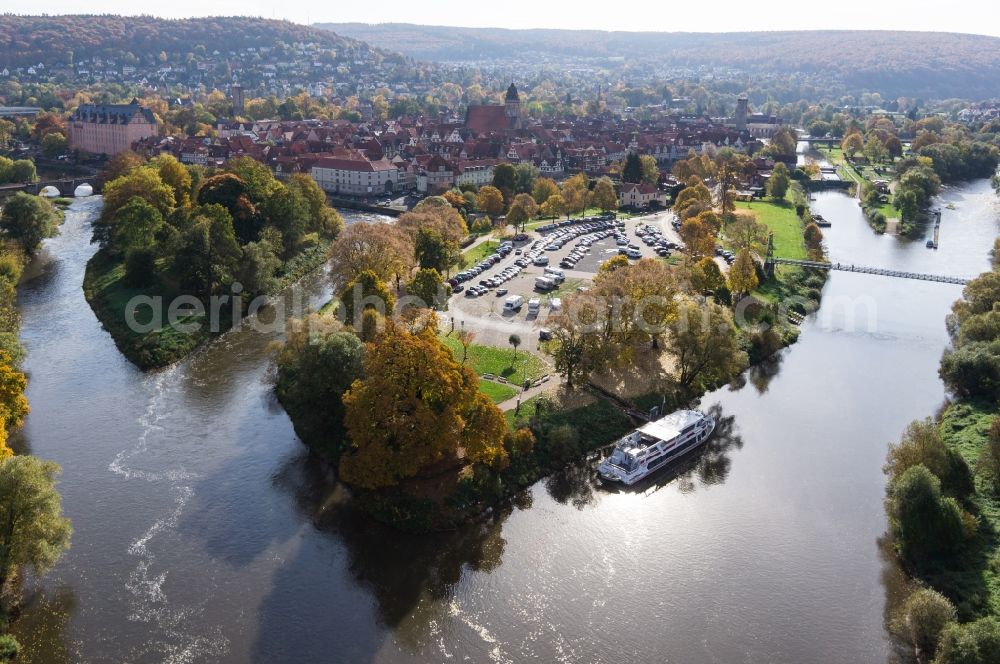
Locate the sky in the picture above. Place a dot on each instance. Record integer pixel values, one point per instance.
(971, 16)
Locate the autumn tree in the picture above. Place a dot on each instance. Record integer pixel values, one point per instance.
(604, 196)
(144, 182)
(174, 175)
(694, 199)
(702, 340)
(575, 349)
(733, 168)
(13, 403)
(553, 206)
(367, 291)
(576, 193)
(706, 277)
(743, 273)
(33, 530)
(698, 236)
(522, 210)
(544, 187)
(415, 407)
(745, 232)
(490, 200)
(852, 145)
(378, 247)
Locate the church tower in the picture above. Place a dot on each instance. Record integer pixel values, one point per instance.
(512, 107)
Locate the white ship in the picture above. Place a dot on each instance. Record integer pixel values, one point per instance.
(655, 444)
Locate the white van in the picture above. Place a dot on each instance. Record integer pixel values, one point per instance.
(534, 304)
(513, 303)
(555, 274)
(545, 283)
(542, 260)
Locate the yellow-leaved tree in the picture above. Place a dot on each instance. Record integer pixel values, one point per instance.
(416, 407)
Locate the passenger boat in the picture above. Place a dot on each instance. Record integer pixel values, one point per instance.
(654, 444)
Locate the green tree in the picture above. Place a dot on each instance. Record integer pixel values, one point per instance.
(136, 224)
(317, 363)
(209, 253)
(925, 523)
(921, 444)
(650, 171)
(54, 144)
(427, 285)
(33, 530)
(23, 170)
(777, 184)
(432, 251)
(505, 180)
(259, 264)
(28, 220)
(971, 643)
(525, 175)
(632, 168)
(514, 340)
(922, 619)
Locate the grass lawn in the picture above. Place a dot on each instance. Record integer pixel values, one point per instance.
(597, 423)
(780, 218)
(109, 296)
(480, 251)
(496, 391)
(974, 578)
(499, 361)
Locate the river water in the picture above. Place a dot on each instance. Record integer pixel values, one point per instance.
(204, 533)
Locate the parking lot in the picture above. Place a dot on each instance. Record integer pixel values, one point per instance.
(576, 250)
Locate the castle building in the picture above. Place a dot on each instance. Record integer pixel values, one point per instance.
(111, 128)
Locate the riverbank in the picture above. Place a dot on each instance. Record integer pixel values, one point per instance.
(109, 296)
(943, 496)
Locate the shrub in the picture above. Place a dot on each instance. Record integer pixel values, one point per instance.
(925, 523)
(973, 370)
(9, 647)
(922, 444)
(971, 643)
(923, 617)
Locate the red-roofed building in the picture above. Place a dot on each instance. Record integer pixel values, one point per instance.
(355, 177)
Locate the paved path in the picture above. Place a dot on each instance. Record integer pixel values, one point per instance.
(551, 385)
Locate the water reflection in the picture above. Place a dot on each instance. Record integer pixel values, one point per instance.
(709, 465)
(41, 626)
(409, 579)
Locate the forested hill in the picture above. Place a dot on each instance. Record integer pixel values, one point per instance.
(894, 63)
(64, 40)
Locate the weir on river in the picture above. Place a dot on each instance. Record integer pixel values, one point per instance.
(204, 532)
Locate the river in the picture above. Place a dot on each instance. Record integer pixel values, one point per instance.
(204, 533)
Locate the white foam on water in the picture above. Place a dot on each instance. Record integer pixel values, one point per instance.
(180, 636)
